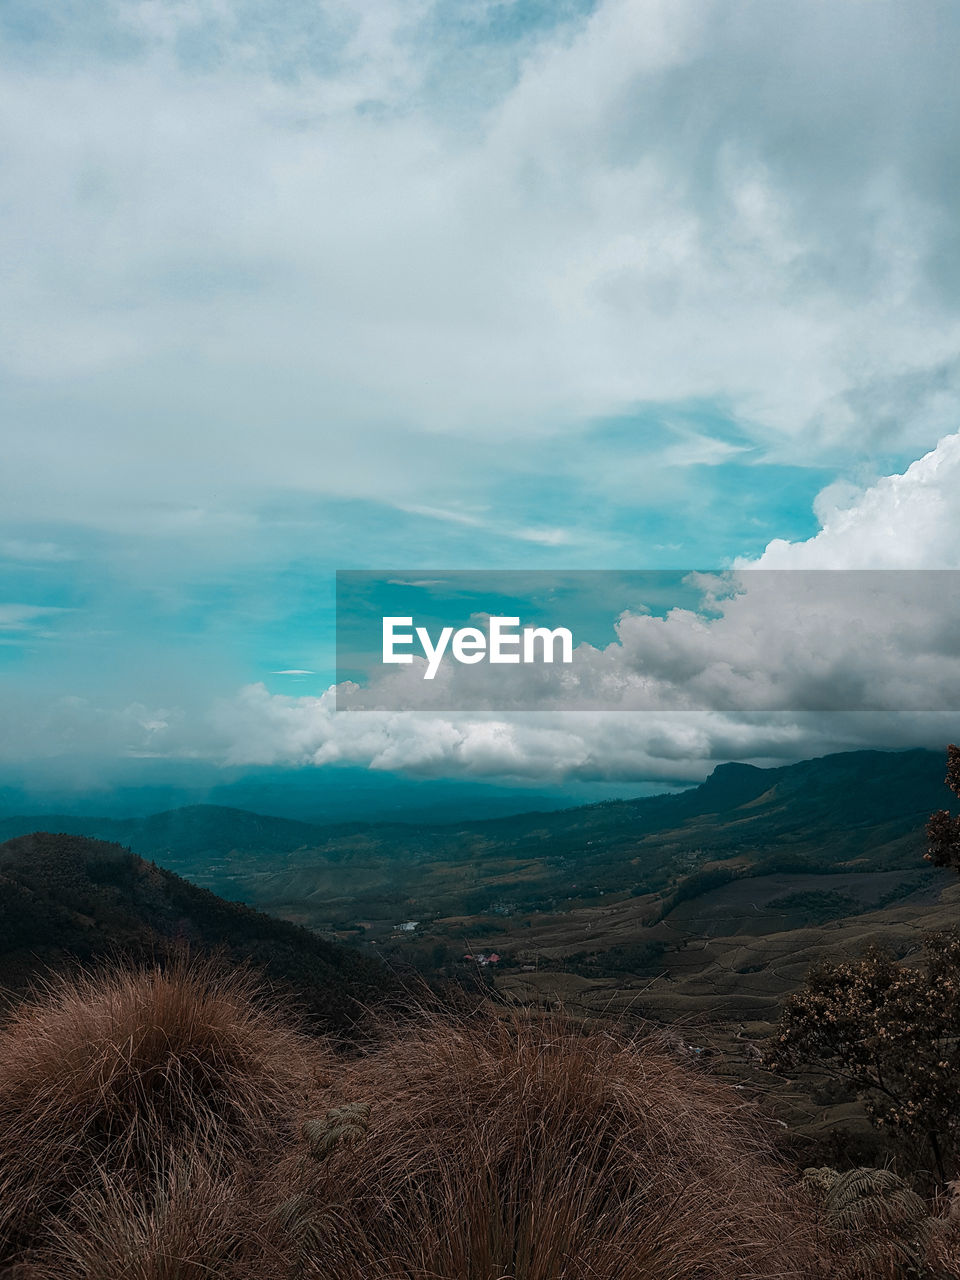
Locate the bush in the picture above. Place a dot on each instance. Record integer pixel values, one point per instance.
(106, 1079)
(874, 1226)
(892, 1032)
(537, 1149)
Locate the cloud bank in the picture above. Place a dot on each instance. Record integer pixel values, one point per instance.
(306, 253)
(825, 640)
(713, 676)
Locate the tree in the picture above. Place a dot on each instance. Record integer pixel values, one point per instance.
(892, 1033)
(943, 830)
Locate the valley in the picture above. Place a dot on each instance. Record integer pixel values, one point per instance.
(700, 910)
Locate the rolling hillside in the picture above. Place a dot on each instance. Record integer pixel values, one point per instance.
(68, 899)
(701, 909)
(859, 810)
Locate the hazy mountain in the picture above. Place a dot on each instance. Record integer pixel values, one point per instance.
(867, 808)
(329, 794)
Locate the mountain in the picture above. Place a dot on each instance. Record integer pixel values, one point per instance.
(192, 835)
(861, 810)
(66, 899)
(325, 794)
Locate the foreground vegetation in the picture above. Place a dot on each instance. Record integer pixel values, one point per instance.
(167, 1124)
(167, 1118)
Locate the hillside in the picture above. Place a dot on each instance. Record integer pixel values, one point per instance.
(858, 812)
(67, 899)
(701, 909)
(863, 808)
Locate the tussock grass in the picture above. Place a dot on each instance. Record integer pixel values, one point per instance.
(532, 1148)
(166, 1125)
(108, 1077)
(187, 1221)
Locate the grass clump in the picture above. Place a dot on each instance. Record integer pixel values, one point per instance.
(167, 1124)
(532, 1148)
(109, 1081)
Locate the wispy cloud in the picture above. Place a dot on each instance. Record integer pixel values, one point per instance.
(22, 549)
(27, 617)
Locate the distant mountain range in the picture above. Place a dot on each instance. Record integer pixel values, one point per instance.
(862, 808)
(323, 795)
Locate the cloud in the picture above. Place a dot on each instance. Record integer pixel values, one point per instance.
(26, 617)
(415, 256)
(308, 254)
(786, 657)
(40, 730)
(779, 664)
(267, 729)
(909, 521)
(260, 728)
(21, 549)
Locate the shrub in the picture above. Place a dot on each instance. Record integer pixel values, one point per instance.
(875, 1227)
(944, 1250)
(537, 1149)
(891, 1031)
(107, 1078)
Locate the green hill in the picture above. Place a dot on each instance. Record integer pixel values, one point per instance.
(66, 899)
(862, 810)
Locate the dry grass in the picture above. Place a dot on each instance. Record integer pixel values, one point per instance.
(944, 1250)
(188, 1222)
(164, 1126)
(107, 1079)
(534, 1149)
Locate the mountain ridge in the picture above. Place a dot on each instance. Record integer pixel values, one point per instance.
(67, 900)
(869, 807)
(730, 783)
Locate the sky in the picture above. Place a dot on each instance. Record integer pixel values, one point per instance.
(290, 288)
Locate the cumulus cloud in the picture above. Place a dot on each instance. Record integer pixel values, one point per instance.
(906, 521)
(778, 664)
(260, 728)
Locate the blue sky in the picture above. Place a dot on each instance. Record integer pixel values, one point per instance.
(427, 284)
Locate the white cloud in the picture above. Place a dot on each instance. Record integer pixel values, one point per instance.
(259, 728)
(270, 257)
(793, 664)
(326, 249)
(22, 549)
(26, 617)
(907, 521)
